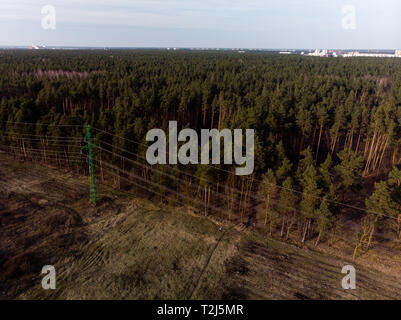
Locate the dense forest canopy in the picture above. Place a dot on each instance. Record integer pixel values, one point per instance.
(327, 130)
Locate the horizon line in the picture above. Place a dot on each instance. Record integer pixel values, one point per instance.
(183, 48)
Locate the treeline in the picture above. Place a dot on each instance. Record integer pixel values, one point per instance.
(326, 129)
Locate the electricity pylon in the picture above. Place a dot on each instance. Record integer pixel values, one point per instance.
(94, 197)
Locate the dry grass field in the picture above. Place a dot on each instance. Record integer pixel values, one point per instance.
(130, 247)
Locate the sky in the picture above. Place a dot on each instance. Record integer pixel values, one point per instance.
(270, 24)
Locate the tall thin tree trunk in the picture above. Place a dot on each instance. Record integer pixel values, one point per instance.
(305, 231)
(282, 228)
(318, 143)
(314, 136)
(318, 238)
(359, 140)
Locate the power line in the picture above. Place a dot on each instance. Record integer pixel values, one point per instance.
(223, 170)
(114, 135)
(133, 182)
(174, 177)
(49, 157)
(226, 196)
(172, 168)
(163, 187)
(42, 136)
(45, 138)
(153, 191)
(42, 151)
(255, 197)
(272, 184)
(74, 143)
(48, 143)
(58, 125)
(151, 168)
(76, 160)
(44, 124)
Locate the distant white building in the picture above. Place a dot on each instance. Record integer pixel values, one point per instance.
(372, 55)
(350, 54)
(318, 53)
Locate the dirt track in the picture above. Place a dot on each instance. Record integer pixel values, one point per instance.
(127, 248)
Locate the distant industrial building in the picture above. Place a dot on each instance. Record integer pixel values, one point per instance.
(333, 53)
(319, 53)
(373, 55)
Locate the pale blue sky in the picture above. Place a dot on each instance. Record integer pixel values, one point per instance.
(203, 23)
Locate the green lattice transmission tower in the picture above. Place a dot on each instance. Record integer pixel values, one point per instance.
(94, 197)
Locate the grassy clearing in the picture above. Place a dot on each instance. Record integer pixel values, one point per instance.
(150, 254)
(132, 248)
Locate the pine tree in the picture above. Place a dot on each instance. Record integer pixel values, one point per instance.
(395, 177)
(309, 202)
(394, 182)
(206, 176)
(322, 117)
(306, 161)
(269, 191)
(287, 206)
(324, 219)
(283, 170)
(379, 205)
(349, 170)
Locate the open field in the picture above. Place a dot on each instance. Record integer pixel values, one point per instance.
(129, 247)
